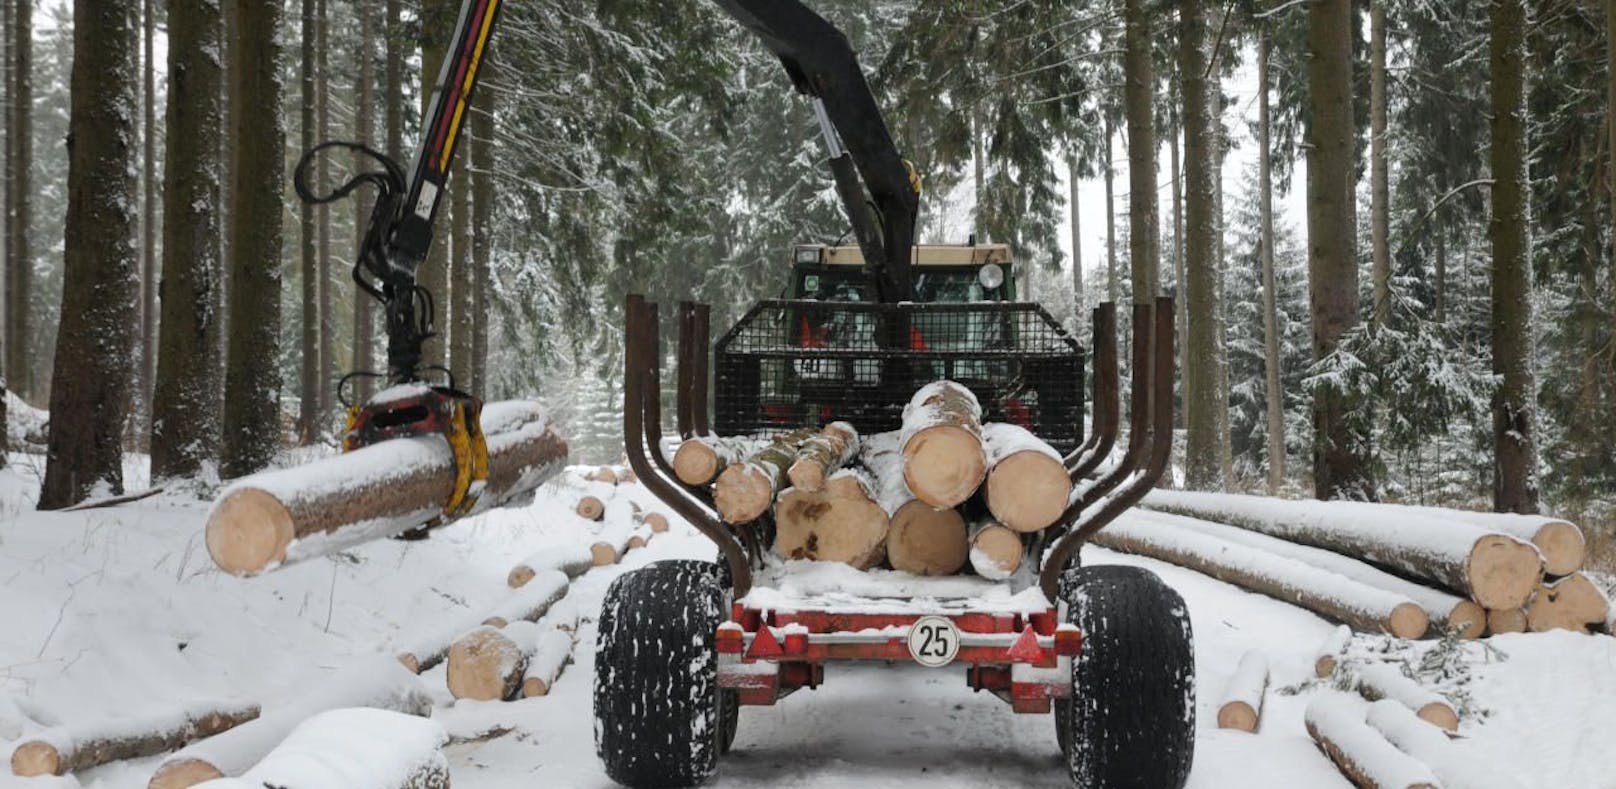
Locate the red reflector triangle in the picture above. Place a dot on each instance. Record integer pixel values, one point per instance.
(764, 644)
(1026, 650)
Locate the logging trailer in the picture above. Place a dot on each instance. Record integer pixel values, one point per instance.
(684, 644)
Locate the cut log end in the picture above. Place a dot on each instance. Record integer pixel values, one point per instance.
(839, 523)
(248, 531)
(410, 662)
(1440, 715)
(36, 758)
(591, 508)
(944, 465)
(1237, 715)
(532, 688)
(1409, 621)
(996, 552)
(1572, 603)
(604, 474)
(657, 521)
(743, 493)
(695, 463)
(603, 553)
(1563, 547)
(927, 541)
(183, 774)
(1027, 491)
(637, 541)
(1506, 620)
(519, 576)
(806, 475)
(485, 665)
(1467, 620)
(1503, 571)
(1324, 666)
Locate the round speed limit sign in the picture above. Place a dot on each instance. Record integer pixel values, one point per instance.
(934, 641)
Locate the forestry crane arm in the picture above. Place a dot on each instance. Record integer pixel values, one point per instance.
(822, 65)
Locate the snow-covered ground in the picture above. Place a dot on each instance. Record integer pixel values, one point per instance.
(119, 609)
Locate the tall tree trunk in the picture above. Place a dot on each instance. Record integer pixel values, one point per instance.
(227, 171)
(437, 25)
(1220, 304)
(1515, 486)
(1113, 286)
(1201, 389)
(147, 373)
(1340, 464)
(1378, 190)
(364, 313)
(482, 240)
(20, 275)
(308, 407)
(1265, 174)
(1610, 150)
(461, 299)
(6, 169)
(90, 396)
(393, 80)
(252, 378)
(185, 408)
(1078, 302)
(1139, 101)
(322, 220)
(1176, 127)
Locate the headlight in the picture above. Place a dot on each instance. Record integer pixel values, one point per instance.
(807, 254)
(991, 276)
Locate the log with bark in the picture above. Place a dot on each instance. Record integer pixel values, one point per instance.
(1027, 485)
(487, 664)
(79, 746)
(1495, 569)
(284, 516)
(996, 552)
(1448, 612)
(943, 458)
(1560, 541)
(590, 508)
(744, 491)
(1337, 724)
(699, 461)
(574, 559)
(531, 601)
(1570, 603)
(375, 681)
(550, 655)
(1243, 700)
(354, 749)
(1451, 764)
(1506, 620)
(839, 523)
(927, 541)
(822, 454)
(1331, 651)
(1337, 597)
(611, 543)
(1378, 681)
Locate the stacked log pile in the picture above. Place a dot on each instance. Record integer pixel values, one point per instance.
(1469, 572)
(945, 494)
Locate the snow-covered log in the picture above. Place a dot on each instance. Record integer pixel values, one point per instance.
(943, 459)
(1560, 541)
(288, 515)
(611, 543)
(744, 491)
(590, 508)
(1506, 620)
(699, 461)
(927, 541)
(996, 552)
(1449, 612)
(1383, 681)
(1331, 651)
(377, 682)
(1495, 569)
(574, 559)
(1337, 724)
(1243, 700)
(353, 749)
(1027, 485)
(79, 746)
(1333, 596)
(841, 522)
(531, 601)
(550, 655)
(487, 664)
(12, 718)
(605, 474)
(1432, 746)
(1571, 603)
(639, 537)
(822, 454)
(656, 520)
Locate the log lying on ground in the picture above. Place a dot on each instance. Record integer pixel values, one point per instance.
(550, 655)
(1383, 681)
(562, 616)
(1298, 583)
(1560, 541)
(590, 508)
(1506, 620)
(943, 459)
(353, 749)
(927, 541)
(822, 454)
(1571, 603)
(699, 461)
(1447, 759)
(531, 601)
(68, 749)
(574, 559)
(996, 552)
(377, 682)
(1449, 612)
(1027, 485)
(656, 520)
(838, 523)
(1495, 569)
(611, 543)
(744, 491)
(487, 663)
(1337, 724)
(288, 515)
(1243, 699)
(605, 474)
(1331, 651)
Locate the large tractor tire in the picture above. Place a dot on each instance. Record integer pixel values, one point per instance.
(660, 717)
(1130, 722)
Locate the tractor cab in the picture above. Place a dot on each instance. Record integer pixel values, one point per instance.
(942, 273)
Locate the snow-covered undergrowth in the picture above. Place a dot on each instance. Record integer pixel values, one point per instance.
(116, 610)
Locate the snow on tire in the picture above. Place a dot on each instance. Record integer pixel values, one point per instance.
(658, 710)
(1132, 711)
